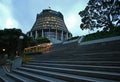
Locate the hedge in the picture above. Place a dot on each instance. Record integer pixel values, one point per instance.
(103, 34)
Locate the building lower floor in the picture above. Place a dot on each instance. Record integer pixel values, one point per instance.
(50, 34)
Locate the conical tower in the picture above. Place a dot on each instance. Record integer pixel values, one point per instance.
(50, 24)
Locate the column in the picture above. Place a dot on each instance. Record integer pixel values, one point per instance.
(36, 34)
(49, 33)
(28, 34)
(70, 35)
(42, 33)
(62, 36)
(31, 35)
(56, 33)
(66, 35)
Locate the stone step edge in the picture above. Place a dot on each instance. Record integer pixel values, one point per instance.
(15, 77)
(34, 64)
(3, 79)
(36, 77)
(50, 67)
(76, 70)
(75, 61)
(56, 73)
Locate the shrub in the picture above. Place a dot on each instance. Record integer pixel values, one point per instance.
(26, 59)
(103, 34)
(42, 40)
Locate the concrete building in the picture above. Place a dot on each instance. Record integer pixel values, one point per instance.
(50, 24)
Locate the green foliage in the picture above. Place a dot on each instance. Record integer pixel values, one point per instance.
(26, 59)
(30, 41)
(103, 34)
(1, 63)
(9, 40)
(11, 57)
(42, 40)
(100, 13)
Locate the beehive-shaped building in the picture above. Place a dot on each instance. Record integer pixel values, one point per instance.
(50, 24)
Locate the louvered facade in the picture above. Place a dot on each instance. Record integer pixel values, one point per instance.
(50, 24)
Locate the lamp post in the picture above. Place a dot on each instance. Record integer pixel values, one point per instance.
(3, 51)
(20, 44)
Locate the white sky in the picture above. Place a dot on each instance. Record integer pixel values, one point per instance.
(22, 13)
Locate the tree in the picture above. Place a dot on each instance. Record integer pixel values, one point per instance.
(101, 13)
(9, 40)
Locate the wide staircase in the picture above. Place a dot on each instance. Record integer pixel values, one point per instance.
(72, 62)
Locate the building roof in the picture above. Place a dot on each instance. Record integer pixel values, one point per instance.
(49, 18)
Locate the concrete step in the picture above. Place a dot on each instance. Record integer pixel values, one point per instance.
(19, 78)
(82, 67)
(98, 74)
(36, 77)
(6, 79)
(77, 56)
(81, 58)
(74, 75)
(97, 63)
(3, 76)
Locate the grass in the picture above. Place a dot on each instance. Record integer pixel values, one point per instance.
(26, 59)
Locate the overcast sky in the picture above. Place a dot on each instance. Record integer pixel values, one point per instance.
(22, 13)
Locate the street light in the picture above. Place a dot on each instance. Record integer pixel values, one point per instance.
(3, 50)
(20, 44)
(21, 37)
